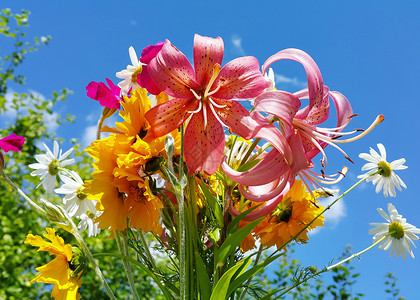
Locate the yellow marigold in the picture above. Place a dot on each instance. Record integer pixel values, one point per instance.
(110, 200)
(123, 162)
(296, 210)
(58, 271)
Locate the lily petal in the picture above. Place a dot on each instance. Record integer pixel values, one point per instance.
(207, 52)
(168, 116)
(282, 104)
(203, 147)
(240, 79)
(343, 107)
(313, 74)
(172, 72)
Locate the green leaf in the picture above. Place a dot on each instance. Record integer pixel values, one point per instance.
(222, 286)
(235, 222)
(213, 203)
(233, 240)
(203, 278)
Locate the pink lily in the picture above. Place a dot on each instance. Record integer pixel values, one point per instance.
(207, 97)
(300, 128)
(12, 142)
(107, 96)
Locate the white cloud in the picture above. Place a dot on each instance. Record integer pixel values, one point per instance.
(337, 212)
(9, 114)
(89, 135)
(281, 79)
(237, 44)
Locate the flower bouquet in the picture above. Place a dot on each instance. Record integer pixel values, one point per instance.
(210, 184)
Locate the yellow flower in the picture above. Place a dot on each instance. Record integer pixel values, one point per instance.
(296, 210)
(123, 162)
(57, 271)
(102, 188)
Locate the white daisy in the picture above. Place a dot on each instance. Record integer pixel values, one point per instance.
(48, 166)
(86, 221)
(400, 233)
(270, 78)
(385, 176)
(130, 74)
(75, 201)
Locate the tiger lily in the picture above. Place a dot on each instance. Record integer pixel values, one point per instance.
(206, 96)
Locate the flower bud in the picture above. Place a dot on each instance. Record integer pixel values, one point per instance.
(1, 161)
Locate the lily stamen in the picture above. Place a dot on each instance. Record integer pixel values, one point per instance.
(195, 94)
(197, 110)
(215, 73)
(215, 104)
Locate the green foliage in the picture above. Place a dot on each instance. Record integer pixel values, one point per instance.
(17, 219)
(391, 287)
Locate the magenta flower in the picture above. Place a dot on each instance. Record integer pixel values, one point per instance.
(12, 142)
(107, 96)
(207, 97)
(144, 79)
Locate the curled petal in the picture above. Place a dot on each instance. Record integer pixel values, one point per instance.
(314, 113)
(262, 173)
(203, 147)
(172, 72)
(268, 193)
(279, 103)
(240, 79)
(207, 52)
(343, 107)
(313, 74)
(267, 208)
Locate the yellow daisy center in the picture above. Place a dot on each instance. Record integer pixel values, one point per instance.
(136, 72)
(384, 169)
(396, 230)
(53, 167)
(79, 194)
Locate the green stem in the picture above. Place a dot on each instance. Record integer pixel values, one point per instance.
(257, 258)
(326, 269)
(99, 126)
(181, 227)
(144, 268)
(29, 200)
(88, 254)
(122, 248)
(248, 154)
(148, 254)
(325, 209)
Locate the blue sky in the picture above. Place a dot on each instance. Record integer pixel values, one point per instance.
(367, 50)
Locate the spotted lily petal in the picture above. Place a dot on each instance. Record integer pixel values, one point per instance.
(207, 52)
(172, 72)
(241, 79)
(203, 147)
(168, 116)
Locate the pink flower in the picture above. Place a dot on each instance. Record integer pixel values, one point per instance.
(144, 79)
(12, 142)
(270, 179)
(206, 96)
(107, 96)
